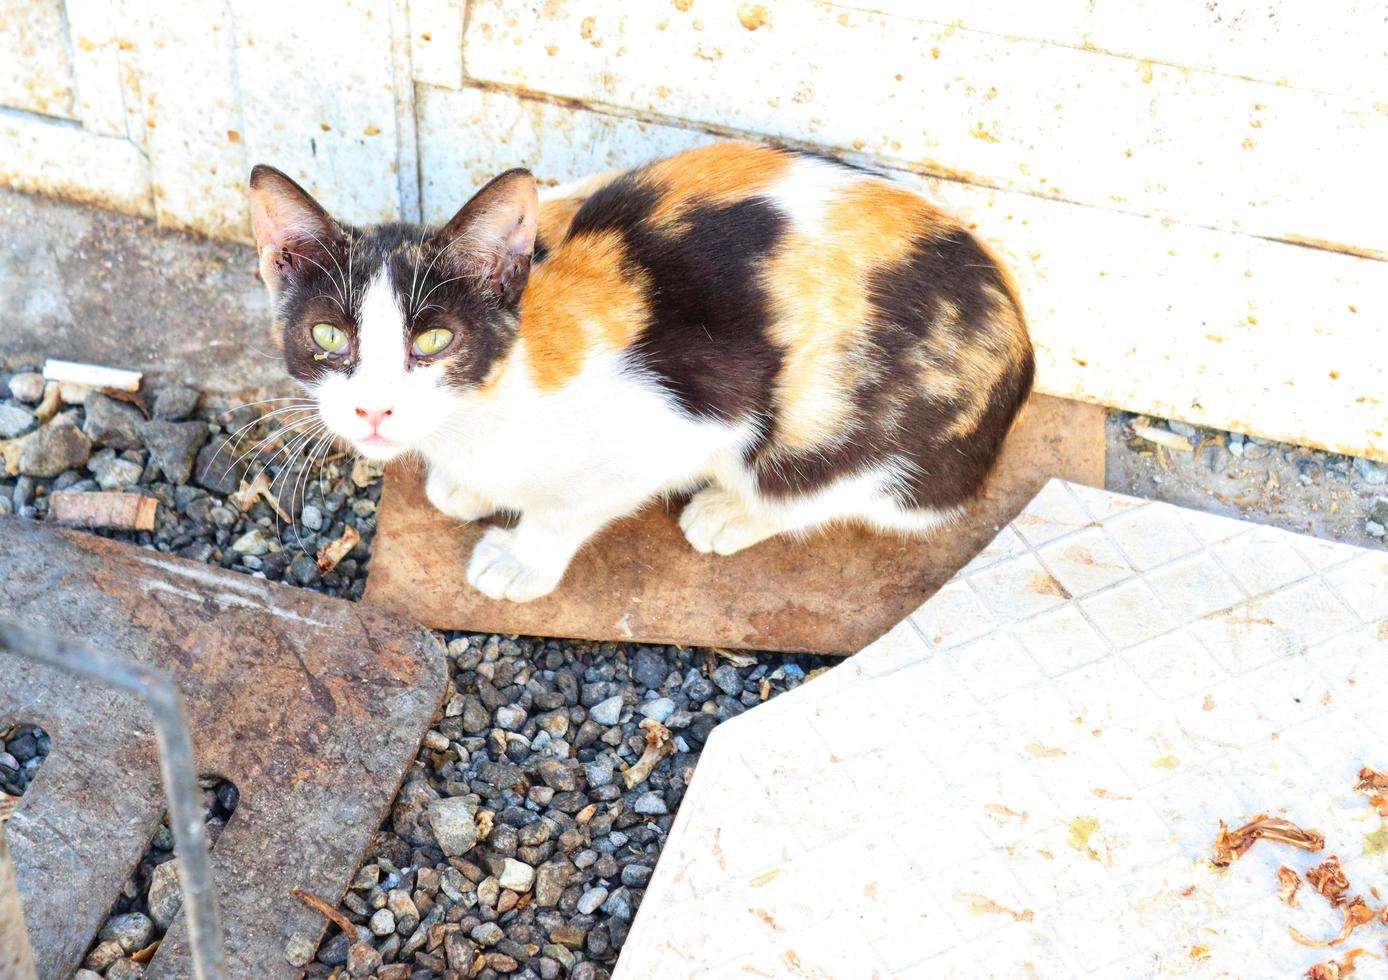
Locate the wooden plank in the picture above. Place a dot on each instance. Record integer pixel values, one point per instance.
(35, 71)
(641, 581)
(47, 157)
(1101, 130)
(111, 509)
(337, 132)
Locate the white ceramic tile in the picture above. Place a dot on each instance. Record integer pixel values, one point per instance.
(1052, 512)
(1062, 640)
(1128, 614)
(1151, 536)
(1017, 589)
(1085, 562)
(957, 617)
(1175, 665)
(1262, 560)
(1026, 778)
(1194, 587)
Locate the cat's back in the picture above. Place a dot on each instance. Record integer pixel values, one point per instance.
(768, 282)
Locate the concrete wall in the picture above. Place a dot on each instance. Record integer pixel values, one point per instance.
(1187, 190)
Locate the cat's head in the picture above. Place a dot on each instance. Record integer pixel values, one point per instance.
(388, 327)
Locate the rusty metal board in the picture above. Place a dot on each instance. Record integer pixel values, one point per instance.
(312, 706)
(641, 581)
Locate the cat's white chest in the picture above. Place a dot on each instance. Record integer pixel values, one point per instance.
(599, 436)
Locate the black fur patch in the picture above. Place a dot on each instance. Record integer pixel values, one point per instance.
(706, 338)
(909, 301)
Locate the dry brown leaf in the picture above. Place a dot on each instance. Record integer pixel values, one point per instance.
(8, 804)
(324, 909)
(132, 398)
(1331, 969)
(1374, 784)
(147, 954)
(1356, 915)
(245, 497)
(1328, 879)
(1230, 845)
(659, 744)
(1288, 881)
(735, 658)
(334, 551)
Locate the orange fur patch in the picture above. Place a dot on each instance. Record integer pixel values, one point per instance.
(714, 176)
(819, 290)
(579, 300)
(555, 218)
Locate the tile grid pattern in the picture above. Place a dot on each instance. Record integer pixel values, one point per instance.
(1039, 756)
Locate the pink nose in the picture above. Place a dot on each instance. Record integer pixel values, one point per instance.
(374, 417)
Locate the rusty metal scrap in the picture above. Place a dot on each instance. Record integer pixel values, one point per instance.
(176, 763)
(312, 706)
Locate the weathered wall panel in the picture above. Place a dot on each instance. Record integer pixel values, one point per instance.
(100, 99)
(467, 137)
(1018, 114)
(42, 158)
(1130, 161)
(1208, 326)
(35, 70)
(317, 82)
(191, 113)
(1326, 45)
(436, 42)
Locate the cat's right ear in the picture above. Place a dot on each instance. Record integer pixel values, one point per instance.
(291, 228)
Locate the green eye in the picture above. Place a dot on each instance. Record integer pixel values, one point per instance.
(430, 342)
(332, 339)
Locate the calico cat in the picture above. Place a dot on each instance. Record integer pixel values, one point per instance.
(800, 341)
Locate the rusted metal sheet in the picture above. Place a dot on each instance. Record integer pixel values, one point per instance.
(313, 707)
(640, 580)
(1109, 132)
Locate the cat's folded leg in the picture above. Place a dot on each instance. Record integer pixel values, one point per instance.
(529, 560)
(456, 501)
(718, 522)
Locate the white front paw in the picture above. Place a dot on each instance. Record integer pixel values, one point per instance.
(455, 501)
(496, 572)
(718, 522)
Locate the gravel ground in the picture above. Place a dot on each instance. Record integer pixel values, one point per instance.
(518, 845)
(526, 831)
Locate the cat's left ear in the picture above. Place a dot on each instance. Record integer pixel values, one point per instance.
(493, 235)
(292, 231)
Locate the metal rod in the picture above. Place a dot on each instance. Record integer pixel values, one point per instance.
(176, 764)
